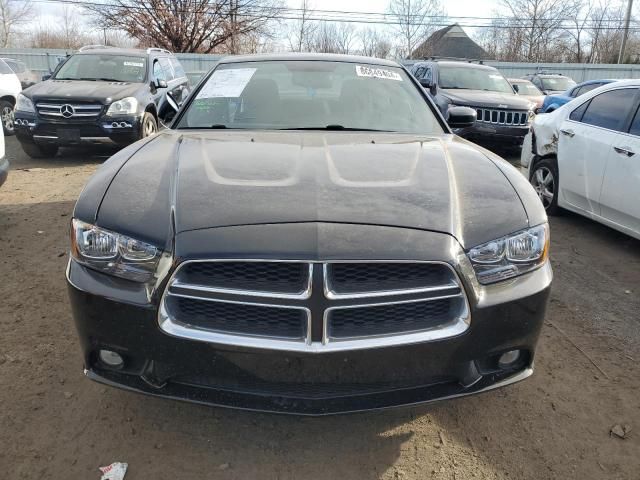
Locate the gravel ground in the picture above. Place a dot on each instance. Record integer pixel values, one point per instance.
(55, 424)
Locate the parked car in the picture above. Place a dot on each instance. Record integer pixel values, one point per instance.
(9, 90)
(553, 102)
(550, 83)
(4, 163)
(502, 116)
(26, 76)
(309, 237)
(528, 90)
(584, 156)
(100, 95)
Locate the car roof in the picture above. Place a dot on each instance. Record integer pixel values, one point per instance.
(458, 63)
(328, 57)
(590, 82)
(118, 51)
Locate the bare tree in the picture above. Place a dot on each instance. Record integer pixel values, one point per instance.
(187, 25)
(302, 30)
(324, 38)
(374, 43)
(605, 32)
(415, 20)
(13, 14)
(541, 22)
(345, 35)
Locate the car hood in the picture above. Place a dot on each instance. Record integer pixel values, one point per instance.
(102, 92)
(482, 98)
(219, 179)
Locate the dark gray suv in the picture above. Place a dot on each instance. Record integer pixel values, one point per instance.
(502, 115)
(100, 95)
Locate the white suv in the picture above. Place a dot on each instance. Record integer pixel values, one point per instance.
(9, 89)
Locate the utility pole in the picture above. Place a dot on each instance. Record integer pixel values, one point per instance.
(625, 34)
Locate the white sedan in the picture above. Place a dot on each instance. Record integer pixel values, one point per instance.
(585, 156)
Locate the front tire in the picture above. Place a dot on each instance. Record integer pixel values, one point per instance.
(7, 116)
(545, 181)
(39, 151)
(149, 126)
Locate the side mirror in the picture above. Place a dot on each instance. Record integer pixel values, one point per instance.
(516, 88)
(461, 117)
(46, 76)
(160, 83)
(427, 85)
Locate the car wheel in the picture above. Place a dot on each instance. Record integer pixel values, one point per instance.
(149, 125)
(7, 116)
(544, 178)
(39, 151)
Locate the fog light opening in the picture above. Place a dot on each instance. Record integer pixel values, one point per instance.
(508, 359)
(111, 358)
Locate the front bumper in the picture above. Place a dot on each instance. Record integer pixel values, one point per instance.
(104, 130)
(4, 170)
(493, 133)
(117, 315)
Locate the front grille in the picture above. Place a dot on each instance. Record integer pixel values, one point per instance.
(276, 277)
(239, 318)
(389, 319)
(63, 110)
(314, 306)
(355, 278)
(502, 117)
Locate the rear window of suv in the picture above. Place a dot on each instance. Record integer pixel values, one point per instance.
(101, 67)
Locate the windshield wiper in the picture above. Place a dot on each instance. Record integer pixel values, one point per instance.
(337, 128)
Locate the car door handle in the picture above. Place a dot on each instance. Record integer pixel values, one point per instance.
(624, 151)
(568, 133)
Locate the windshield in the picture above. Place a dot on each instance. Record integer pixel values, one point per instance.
(469, 78)
(309, 95)
(114, 68)
(557, 83)
(526, 88)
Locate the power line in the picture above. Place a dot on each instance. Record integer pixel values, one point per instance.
(280, 13)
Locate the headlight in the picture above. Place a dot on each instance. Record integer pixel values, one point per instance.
(511, 256)
(113, 253)
(531, 115)
(126, 106)
(24, 104)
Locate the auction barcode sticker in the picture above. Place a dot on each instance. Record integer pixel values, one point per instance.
(362, 71)
(134, 64)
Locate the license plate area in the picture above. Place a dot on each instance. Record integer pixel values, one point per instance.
(69, 135)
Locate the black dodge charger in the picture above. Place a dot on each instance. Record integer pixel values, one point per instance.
(309, 237)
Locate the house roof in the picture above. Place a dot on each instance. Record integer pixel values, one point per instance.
(451, 41)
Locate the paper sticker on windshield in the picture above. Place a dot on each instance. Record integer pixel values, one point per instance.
(228, 83)
(134, 64)
(362, 71)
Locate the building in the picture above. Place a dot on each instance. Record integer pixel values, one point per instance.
(451, 41)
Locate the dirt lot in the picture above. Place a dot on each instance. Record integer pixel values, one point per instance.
(56, 424)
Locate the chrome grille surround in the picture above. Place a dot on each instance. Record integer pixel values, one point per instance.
(68, 111)
(318, 305)
(502, 117)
